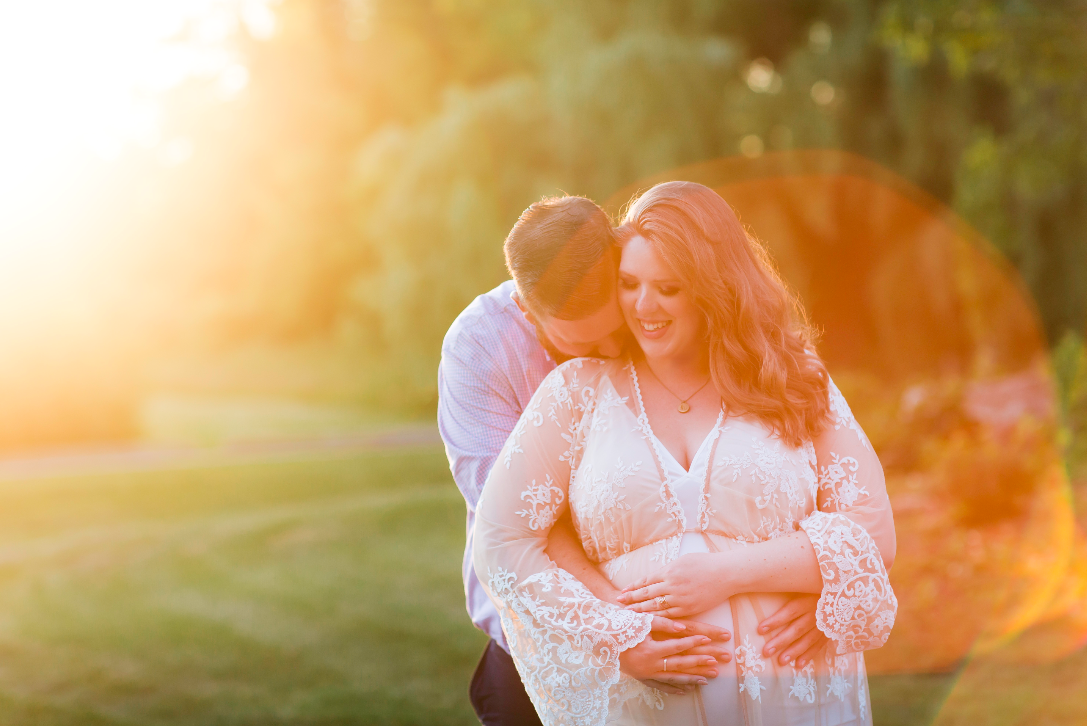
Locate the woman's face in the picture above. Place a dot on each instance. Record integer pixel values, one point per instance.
(659, 311)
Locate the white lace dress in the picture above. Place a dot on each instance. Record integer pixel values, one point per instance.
(584, 440)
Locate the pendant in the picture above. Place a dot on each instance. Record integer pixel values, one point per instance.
(683, 407)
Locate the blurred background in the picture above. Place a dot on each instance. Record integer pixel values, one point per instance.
(234, 232)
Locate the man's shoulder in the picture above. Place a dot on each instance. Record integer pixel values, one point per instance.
(490, 320)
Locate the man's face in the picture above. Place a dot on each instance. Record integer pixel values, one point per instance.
(602, 334)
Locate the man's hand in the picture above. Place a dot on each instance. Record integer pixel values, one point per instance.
(797, 638)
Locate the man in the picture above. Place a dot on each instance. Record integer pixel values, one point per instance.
(561, 304)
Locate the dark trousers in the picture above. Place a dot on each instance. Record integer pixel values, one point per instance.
(497, 694)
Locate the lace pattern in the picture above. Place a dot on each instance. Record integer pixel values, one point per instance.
(862, 698)
(704, 509)
(599, 498)
(513, 445)
(567, 643)
(667, 550)
(803, 687)
(839, 481)
(838, 685)
(628, 689)
(751, 664)
(544, 501)
(857, 606)
(774, 469)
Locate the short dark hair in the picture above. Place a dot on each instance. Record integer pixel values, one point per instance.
(560, 254)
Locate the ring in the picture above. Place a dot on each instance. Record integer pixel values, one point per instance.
(662, 604)
(665, 665)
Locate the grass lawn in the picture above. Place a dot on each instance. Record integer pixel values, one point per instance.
(314, 592)
(320, 592)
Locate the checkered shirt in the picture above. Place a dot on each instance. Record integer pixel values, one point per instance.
(492, 363)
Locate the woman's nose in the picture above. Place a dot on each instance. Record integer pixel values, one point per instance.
(644, 302)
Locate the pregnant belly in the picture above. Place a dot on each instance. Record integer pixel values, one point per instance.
(718, 702)
(773, 698)
(720, 698)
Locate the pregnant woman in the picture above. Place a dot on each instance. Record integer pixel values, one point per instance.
(714, 473)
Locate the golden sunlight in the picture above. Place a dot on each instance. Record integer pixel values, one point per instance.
(79, 82)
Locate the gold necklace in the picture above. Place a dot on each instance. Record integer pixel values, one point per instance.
(683, 407)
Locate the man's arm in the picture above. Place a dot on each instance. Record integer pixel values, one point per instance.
(564, 547)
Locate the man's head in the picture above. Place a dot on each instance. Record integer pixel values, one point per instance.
(562, 255)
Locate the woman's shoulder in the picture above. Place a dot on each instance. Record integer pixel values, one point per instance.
(581, 377)
(840, 416)
(589, 368)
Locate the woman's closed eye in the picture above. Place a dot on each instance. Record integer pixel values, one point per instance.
(626, 283)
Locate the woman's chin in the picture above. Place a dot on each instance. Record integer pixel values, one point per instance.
(654, 348)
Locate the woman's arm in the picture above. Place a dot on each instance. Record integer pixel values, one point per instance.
(834, 555)
(697, 582)
(853, 535)
(851, 480)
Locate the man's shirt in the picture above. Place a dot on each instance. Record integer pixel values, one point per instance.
(492, 363)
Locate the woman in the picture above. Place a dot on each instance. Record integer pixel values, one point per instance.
(710, 473)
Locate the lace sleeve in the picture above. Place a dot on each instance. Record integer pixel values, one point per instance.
(853, 535)
(564, 641)
(851, 478)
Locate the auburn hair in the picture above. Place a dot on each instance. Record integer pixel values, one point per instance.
(762, 355)
(561, 254)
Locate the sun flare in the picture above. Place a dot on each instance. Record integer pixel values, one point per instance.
(80, 82)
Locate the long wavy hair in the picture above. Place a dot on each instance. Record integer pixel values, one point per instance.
(761, 347)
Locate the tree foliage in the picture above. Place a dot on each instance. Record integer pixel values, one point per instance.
(981, 104)
(359, 188)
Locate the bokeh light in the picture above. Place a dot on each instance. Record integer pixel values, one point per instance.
(940, 351)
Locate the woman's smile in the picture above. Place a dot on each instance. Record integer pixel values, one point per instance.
(664, 318)
(654, 329)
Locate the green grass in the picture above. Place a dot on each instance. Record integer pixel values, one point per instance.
(315, 592)
(306, 593)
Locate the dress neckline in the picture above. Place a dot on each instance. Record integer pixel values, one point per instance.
(643, 419)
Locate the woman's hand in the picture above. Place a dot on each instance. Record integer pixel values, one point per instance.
(661, 661)
(691, 584)
(675, 681)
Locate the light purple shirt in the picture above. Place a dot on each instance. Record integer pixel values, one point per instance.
(492, 363)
